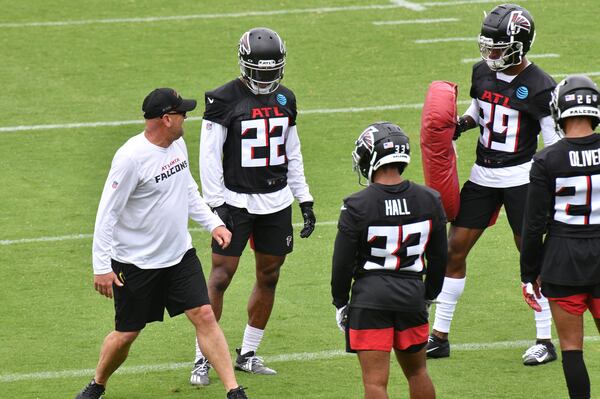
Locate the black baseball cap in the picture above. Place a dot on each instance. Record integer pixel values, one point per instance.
(163, 101)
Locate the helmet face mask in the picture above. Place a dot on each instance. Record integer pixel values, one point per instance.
(261, 56)
(380, 144)
(500, 56)
(575, 95)
(507, 34)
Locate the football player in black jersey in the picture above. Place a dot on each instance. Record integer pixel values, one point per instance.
(563, 203)
(251, 170)
(385, 232)
(510, 106)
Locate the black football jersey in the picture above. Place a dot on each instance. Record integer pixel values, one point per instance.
(509, 114)
(392, 229)
(254, 154)
(564, 202)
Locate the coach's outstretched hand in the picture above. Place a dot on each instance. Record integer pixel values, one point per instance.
(309, 219)
(531, 291)
(222, 236)
(103, 283)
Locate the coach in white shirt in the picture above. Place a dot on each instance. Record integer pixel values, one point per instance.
(142, 250)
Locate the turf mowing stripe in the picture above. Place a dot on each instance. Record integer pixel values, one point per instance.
(529, 56)
(416, 21)
(77, 125)
(290, 357)
(87, 236)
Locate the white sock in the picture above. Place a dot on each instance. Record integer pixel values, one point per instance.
(252, 338)
(444, 310)
(543, 320)
(199, 354)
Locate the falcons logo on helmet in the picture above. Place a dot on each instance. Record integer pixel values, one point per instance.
(245, 44)
(517, 22)
(366, 138)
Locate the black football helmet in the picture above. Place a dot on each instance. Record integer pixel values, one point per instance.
(507, 34)
(262, 59)
(379, 144)
(575, 95)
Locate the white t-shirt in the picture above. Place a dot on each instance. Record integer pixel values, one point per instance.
(146, 202)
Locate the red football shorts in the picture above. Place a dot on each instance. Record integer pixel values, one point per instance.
(382, 330)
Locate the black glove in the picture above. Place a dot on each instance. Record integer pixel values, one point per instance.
(462, 125)
(309, 219)
(222, 211)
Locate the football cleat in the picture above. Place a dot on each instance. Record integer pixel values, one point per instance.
(251, 363)
(539, 354)
(199, 375)
(437, 348)
(237, 393)
(91, 391)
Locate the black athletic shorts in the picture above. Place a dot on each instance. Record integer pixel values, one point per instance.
(270, 234)
(382, 330)
(147, 292)
(479, 206)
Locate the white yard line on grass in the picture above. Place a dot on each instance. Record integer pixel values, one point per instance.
(455, 3)
(416, 21)
(529, 56)
(88, 236)
(290, 357)
(395, 4)
(22, 128)
(409, 4)
(447, 39)
(562, 75)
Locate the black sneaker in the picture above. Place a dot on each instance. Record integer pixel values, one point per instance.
(91, 391)
(237, 393)
(437, 348)
(250, 363)
(540, 353)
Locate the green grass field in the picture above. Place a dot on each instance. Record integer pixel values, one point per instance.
(82, 62)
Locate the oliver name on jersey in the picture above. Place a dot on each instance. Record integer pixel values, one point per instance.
(565, 183)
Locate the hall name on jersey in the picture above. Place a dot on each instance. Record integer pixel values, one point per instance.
(585, 157)
(396, 207)
(495, 98)
(266, 112)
